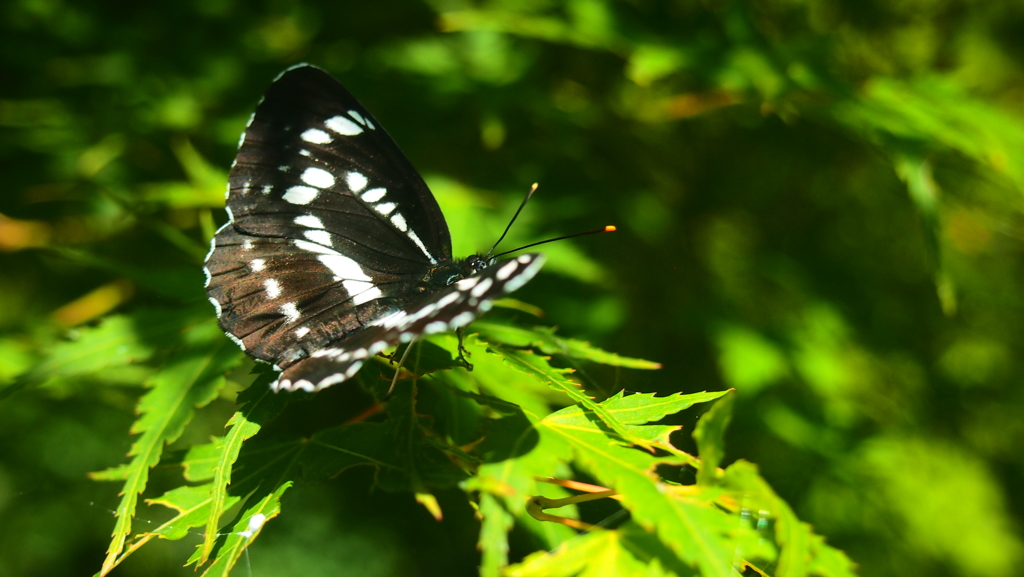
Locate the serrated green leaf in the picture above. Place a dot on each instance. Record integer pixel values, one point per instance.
(538, 367)
(590, 555)
(640, 408)
(244, 531)
(710, 437)
(118, 340)
(201, 460)
(688, 521)
(545, 340)
(634, 410)
(190, 503)
(518, 456)
(190, 380)
(492, 375)
(260, 405)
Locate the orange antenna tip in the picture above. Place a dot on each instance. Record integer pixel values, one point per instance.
(610, 228)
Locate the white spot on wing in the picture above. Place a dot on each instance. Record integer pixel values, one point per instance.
(301, 332)
(216, 306)
(479, 290)
(300, 194)
(313, 247)
(209, 277)
(528, 273)
(343, 125)
(266, 189)
(290, 312)
(399, 222)
(304, 385)
(331, 380)
(384, 208)
(318, 177)
(316, 136)
(448, 299)
(343, 267)
(461, 319)
(435, 327)
(374, 194)
(309, 221)
(318, 236)
(273, 289)
(359, 117)
(416, 240)
(466, 283)
(356, 181)
(390, 321)
(247, 244)
(257, 264)
(361, 291)
(351, 371)
(506, 270)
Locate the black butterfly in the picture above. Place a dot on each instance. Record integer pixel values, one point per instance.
(335, 248)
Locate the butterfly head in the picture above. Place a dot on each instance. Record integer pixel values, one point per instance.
(451, 272)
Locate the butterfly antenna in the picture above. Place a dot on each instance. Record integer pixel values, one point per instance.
(514, 217)
(609, 228)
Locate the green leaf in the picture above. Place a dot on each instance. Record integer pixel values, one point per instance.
(495, 524)
(545, 340)
(118, 341)
(710, 437)
(191, 379)
(555, 378)
(333, 450)
(200, 461)
(684, 518)
(801, 551)
(191, 503)
(641, 408)
(494, 376)
(244, 531)
(422, 466)
(260, 405)
(591, 555)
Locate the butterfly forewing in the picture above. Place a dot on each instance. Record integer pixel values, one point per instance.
(311, 151)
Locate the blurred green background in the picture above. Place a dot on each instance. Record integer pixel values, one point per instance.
(819, 203)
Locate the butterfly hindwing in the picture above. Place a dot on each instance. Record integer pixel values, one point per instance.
(272, 297)
(454, 307)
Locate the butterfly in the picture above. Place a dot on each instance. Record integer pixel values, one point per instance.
(335, 249)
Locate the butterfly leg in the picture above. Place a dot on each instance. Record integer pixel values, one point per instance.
(463, 351)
